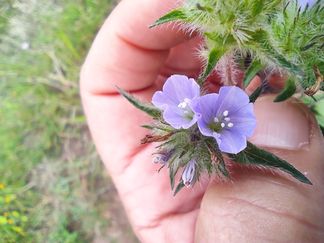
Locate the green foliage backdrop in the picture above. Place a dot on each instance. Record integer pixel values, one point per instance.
(52, 185)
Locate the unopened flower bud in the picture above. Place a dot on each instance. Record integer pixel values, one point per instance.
(189, 173)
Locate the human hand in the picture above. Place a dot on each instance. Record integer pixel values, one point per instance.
(128, 54)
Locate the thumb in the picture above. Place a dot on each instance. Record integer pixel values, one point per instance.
(261, 207)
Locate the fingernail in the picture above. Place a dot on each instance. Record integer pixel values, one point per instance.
(283, 125)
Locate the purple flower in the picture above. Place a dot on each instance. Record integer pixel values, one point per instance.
(189, 173)
(228, 117)
(162, 157)
(176, 101)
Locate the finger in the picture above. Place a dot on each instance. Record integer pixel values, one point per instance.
(126, 52)
(262, 207)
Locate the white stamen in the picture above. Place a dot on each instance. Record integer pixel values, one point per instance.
(222, 124)
(230, 124)
(227, 119)
(225, 113)
(216, 119)
(184, 103)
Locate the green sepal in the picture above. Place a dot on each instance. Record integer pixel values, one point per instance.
(172, 173)
(250, 73)
(174, 166)
(178, 188)
(173, 169)
(163, 128)
(256, 93)
(253, 155)
(214, 149)
(213, 58)
(174, 15)
(288, 91)
(146, 107)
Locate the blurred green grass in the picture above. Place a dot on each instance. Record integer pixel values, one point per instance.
(53, 187)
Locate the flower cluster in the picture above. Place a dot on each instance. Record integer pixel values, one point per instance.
(228, 117)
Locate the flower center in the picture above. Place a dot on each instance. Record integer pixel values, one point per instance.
(184, 106)
(221, 122)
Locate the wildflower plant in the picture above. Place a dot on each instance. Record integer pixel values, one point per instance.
(199, 131)
(12, 216)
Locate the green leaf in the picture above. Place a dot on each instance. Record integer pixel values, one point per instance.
(177, 14)
(262, 38)
(256, 93)
(288, 91)
(147, 108)
(178, 188)
(253, 155)
(250, 73)
(257, 7)
(282, 61)
(213, 58)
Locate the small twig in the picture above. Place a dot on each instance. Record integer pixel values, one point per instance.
(156, 138)
(310, 91)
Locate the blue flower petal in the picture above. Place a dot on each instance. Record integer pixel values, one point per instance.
(175, 99)
(232, 142)
(244, 120)
(206, 106)
(231, 98)
(177, 119)
(228, 117)
(162, 100)
(181, 87)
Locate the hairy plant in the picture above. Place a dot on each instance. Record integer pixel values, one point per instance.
(280, 36)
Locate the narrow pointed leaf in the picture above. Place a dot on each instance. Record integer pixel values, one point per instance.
(250, 73)
(172, 175)
(256, 93)
(253, 155)
(146, 107)
(221, 165)
(173, 167)
(282, 61)
(158, 127)
(214, 150)
(288, 91)
(213, 58)
(263, 40)
(177, 14)
(178, 188)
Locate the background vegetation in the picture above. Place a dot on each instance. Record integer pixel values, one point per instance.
(52, 185)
